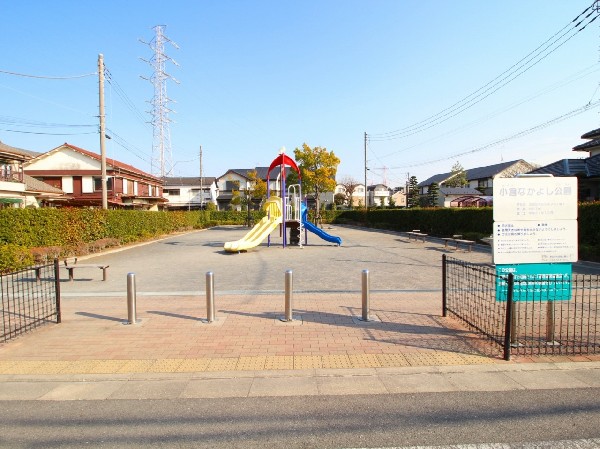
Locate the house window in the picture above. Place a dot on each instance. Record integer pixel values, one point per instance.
(232, 185)
(98, 183)
(173, 192)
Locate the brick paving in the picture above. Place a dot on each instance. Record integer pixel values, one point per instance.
(172, 335)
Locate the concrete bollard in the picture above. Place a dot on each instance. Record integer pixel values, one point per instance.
(131, 299)
(366, 295)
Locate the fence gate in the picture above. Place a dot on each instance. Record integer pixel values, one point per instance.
(30, 298)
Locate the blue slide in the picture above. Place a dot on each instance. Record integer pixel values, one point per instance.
(316, 230)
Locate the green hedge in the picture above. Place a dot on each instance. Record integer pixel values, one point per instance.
(473, 223)
(440, 222)
(24, 232)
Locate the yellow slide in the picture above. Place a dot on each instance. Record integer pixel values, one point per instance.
(261, 230)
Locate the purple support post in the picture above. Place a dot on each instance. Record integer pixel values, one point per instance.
(283, 198)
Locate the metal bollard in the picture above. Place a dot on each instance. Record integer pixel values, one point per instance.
(210, 297)
(131, 299)
(288, 295)
(366, 299)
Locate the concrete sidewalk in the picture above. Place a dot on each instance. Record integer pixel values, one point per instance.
(248, 351)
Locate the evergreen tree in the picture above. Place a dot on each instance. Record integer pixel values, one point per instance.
(413, 192)
(433, 194)
(458, 177)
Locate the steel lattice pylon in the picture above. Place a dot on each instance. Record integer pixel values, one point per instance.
(162, 161)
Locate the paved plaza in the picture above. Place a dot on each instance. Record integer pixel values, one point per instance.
(173, 342)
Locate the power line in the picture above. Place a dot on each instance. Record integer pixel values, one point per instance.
(46, 134)
(26, 75)
(519, 68)
(123, 96)
(520, 134)
(17, 121)
(575, 77)
(127, 146)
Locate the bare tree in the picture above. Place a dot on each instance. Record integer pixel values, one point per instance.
(349, 184)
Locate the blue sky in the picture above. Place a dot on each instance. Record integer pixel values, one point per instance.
(258, 75)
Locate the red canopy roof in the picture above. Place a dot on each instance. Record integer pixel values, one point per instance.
(282, 159)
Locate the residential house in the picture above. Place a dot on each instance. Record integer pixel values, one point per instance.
(480, 180)
(238, 179)
(587, 169)
(12, 186)
(41, 194)
(189, 193)
(358, 194)
(378, 195)
(77, 172)
(16, 188)
(399, 197)
(462, 197)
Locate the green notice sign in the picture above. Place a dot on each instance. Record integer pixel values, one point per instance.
(535, 281)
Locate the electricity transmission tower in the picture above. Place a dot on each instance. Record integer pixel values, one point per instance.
(162, 160)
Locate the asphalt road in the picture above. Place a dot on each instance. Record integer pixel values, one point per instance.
(306, 422)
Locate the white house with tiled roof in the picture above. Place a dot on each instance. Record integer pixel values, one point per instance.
(16, 188)
(480, 183)
(481, 178)
(189, 193)
(77, 172)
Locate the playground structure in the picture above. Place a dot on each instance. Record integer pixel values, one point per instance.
(287, 211)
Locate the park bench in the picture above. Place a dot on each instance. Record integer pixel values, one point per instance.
(416, 234)
(71, 266)
(457, 239)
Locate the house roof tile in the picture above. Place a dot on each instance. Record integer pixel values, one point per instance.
(112, 162)
(35, 185)
(587, 146)
(188, 181)
(488, 171)
(590, 167)
(593, 134)
(18, 152)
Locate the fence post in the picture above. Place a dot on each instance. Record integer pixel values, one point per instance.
(508, 325)
(550, 322)
(57, 290)
(366, 295)
(444, 294)
(131, 299)
(210, 297)
(288, 296)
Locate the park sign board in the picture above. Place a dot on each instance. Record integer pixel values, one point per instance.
(535, 282)
(543, 241)
(535, 220)
(525, 199)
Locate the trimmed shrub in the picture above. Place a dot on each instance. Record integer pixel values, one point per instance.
(14, 258)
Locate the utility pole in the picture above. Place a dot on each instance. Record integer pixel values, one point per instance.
(102, 131)
(366, 170)
(201, 182)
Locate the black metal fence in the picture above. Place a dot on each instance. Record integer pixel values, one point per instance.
(30, 298)
(524, 315)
